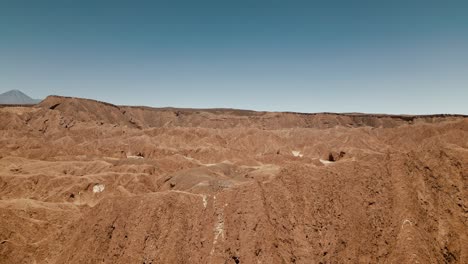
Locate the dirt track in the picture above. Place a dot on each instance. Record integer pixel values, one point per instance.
(87, 182)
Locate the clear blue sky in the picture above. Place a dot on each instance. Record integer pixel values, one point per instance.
(308, 56)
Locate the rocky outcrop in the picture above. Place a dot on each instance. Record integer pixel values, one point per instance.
(83, 181)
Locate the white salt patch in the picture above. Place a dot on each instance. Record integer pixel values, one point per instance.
(134, 157)
(326, 162)
(205, 201)
(218, 229)
(297, 153)
(98, 188)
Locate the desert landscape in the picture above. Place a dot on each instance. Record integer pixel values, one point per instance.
(83, 181)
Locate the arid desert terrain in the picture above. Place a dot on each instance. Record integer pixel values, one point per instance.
(83, 181)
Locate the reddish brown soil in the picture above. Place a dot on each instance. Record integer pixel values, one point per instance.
(87, 182)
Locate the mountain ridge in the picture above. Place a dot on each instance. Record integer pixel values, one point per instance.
(16, 97)
(219, 110)
(86, 182)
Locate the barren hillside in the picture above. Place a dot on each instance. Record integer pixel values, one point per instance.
(83, 181)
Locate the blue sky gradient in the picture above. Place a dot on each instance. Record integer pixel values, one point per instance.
(307, 56)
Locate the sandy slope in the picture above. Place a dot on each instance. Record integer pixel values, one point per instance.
(87, 182)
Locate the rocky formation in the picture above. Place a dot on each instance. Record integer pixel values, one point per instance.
(83, 181)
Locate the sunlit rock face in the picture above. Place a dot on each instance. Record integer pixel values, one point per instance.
(83, 181)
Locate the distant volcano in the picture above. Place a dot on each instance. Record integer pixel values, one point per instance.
(16, 97)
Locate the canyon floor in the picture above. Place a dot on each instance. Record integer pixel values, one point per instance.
(83, 181)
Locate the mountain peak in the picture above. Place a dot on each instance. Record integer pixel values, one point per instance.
(16, 97)
(13, 92)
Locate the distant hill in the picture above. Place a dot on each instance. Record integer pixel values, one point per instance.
(16, 97)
